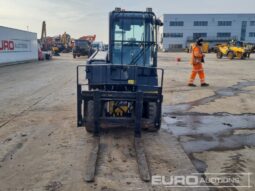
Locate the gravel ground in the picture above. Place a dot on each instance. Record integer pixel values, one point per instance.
(42, 149)
(205, 130)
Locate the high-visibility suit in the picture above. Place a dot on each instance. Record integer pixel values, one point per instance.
(197, 58)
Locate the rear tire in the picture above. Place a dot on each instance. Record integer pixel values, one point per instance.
(219, 55)
(231, 55)
(74, 56)
(244, 56)
(89, 118)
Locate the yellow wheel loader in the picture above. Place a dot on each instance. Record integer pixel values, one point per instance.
(234, 49)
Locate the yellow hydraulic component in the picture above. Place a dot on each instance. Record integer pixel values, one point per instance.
(117, 109)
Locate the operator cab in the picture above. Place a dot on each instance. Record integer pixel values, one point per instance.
(133, 38)
(236, 43)
(131, 61)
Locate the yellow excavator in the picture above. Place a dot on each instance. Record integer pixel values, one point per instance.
(234, 49)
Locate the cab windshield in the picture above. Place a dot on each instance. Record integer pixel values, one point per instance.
(133, 41)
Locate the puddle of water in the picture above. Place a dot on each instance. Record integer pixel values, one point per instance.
(227, 92)
(202, 133)
(198, 133)
(211, 132)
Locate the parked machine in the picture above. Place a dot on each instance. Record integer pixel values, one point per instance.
(250, 47)
(234, 49)
(124, 84)
(82, 48)
(45, 48)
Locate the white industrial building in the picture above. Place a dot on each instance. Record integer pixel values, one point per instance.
(180, 30)
(17, 45)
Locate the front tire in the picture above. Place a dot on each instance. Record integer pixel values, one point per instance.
(231, 55)
(89, 118)
(219, 55)
(150, 123)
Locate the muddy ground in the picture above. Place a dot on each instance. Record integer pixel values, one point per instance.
(42, 149)
(215, 125)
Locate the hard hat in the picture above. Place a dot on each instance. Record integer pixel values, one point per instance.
(199, 41)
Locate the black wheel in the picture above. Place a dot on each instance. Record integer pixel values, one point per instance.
(219, 55)
(244, 56)
(149, 124)
(78, 55)
(74, 56)
(231, 55)
(89, 118)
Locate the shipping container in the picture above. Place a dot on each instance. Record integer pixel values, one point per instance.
(17, 45)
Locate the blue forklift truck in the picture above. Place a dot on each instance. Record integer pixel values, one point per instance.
(124, 85)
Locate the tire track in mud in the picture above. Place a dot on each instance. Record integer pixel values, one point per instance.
(15, 143)
(10, 154)
(42, 155)
(39, 100)
(232, 169)
(234, 164)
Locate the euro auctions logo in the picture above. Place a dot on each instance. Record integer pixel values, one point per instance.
(6, 45)
(218, 180)
(15, 45)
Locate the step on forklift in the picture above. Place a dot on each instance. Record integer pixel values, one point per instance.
(124, 85)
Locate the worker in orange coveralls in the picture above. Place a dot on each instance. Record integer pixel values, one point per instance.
(197, 58)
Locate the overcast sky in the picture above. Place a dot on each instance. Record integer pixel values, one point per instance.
(83, 17)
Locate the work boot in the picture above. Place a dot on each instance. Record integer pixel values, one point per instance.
(192, 85)
(204, 85)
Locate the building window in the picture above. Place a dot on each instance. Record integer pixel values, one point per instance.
(243, 30)
(166, 35)
(200, 23)
(176, 35)
(173, 35)
(224, 23)
(252, 23)
(175, 46)
(223, 34)
(176, 23)
(199, 35)
(252, 34)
